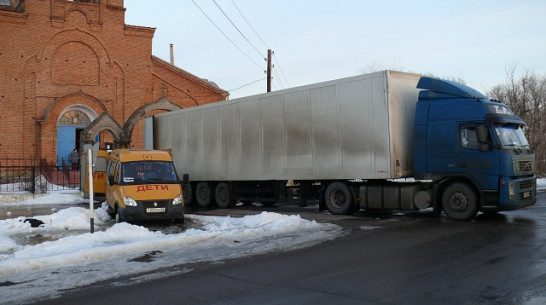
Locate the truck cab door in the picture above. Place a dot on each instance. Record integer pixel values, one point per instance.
(476, 155)
(442, 148)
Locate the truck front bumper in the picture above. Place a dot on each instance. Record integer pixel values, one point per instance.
(513, 194)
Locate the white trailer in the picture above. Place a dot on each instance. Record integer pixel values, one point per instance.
(328, 133)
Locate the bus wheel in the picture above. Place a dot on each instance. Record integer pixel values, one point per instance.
(118, 215)
(223, 196)
(338, 198)
(111, 212)
(203, 194)
(459, 201)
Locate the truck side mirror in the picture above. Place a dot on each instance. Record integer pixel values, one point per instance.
(186, 178)
(483, 138)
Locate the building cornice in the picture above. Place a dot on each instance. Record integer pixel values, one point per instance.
(187, 75)
(133, 30)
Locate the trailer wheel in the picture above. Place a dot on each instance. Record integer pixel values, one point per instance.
(187, 192)
(338, 198)
(223, 196)
(203, 194)
(459, 201)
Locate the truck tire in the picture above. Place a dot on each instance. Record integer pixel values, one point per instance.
(459, 201)
(187, 192)
(338, 198)
(224, 198)
(203, 194)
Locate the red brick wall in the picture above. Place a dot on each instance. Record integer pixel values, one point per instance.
(58, 54)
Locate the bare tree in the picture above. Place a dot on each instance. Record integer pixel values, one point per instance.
(526, 96)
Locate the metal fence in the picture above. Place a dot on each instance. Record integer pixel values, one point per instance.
(23, 175)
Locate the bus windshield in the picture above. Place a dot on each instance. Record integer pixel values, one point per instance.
(142, 172)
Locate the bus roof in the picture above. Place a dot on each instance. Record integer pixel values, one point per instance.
(126, 155)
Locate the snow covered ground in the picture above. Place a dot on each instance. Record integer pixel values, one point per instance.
(32, 268)
(30, 271)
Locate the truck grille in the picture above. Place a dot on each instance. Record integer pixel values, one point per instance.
(524, 167)
(526, 184)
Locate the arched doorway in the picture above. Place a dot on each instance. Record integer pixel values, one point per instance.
(72, 120)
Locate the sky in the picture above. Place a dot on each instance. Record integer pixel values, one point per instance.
(320, 40)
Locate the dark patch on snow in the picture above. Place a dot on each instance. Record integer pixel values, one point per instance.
(146, 258)
(34, 222)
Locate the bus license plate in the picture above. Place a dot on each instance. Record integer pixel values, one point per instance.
(155, 210)
(526, 194)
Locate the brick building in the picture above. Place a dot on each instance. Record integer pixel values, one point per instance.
(64, 63)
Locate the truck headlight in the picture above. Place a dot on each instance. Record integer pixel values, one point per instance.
(512, 190)
(129, 201)
(178, 200)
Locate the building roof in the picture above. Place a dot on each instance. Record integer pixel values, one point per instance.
(189, 76)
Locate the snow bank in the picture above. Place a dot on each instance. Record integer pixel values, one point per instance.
(123, 239)
(122, 249)
(541, 184)
(53, 197)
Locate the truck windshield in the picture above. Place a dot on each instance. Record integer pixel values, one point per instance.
(142, 172)
(512, 137)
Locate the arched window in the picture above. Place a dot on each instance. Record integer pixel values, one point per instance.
(74, 117)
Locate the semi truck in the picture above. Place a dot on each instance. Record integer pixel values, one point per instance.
(381, 141)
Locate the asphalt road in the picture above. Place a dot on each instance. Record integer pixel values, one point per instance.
(384, 259)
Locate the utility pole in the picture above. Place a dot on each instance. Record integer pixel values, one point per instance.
(269, 52)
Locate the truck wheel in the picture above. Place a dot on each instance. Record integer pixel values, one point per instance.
(338, 198)
(223, 196)
(203, 194)
(187, 193)
(459, 201)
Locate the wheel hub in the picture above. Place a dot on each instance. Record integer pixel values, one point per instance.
(338, 198)
(458, 202)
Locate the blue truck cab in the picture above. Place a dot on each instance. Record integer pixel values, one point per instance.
(473, 149)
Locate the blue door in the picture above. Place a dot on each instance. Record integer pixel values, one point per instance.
(68, 128)
(66, 142)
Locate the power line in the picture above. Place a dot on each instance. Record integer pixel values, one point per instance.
(261, 39)
(249, 24)
(282, 73)
(247, 84)
(278, 79)
(217, 27)
(237, 28)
